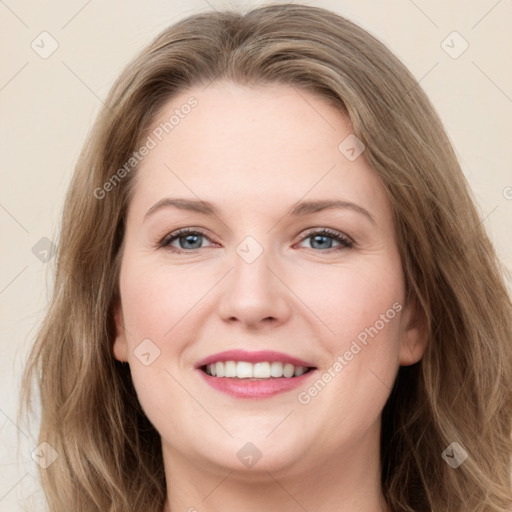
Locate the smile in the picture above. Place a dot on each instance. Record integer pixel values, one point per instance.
(247, 370)
(260, 374)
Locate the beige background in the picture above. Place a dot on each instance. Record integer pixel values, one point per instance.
(48, 105)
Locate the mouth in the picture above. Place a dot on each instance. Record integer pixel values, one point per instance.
(254, 371)
(262, 374)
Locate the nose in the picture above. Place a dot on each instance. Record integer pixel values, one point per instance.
(255, 294)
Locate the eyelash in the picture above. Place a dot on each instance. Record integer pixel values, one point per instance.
(345, 241)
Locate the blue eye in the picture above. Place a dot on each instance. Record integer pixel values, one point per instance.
(321, 238)
(186, 238)
(190, 240)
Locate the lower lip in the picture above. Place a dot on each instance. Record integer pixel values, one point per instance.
(261, 388)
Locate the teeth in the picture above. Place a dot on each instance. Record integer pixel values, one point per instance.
(276, 369)
(229, 369)
(299, 371)
(263, 370)
(288, 370)
(219, 369)
(243, 370)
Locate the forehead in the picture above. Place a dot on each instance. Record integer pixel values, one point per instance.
(263, 147)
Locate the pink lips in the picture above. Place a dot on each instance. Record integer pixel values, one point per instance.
(254, 388)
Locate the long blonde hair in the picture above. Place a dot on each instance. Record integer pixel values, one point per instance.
(461, 391)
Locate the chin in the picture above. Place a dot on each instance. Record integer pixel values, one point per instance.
(258, 455)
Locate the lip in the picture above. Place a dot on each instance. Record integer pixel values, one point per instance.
(252, 388)
(258, 356)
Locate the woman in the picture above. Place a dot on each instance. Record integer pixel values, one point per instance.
(337, 337)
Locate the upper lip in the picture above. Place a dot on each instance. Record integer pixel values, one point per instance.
(253, 357)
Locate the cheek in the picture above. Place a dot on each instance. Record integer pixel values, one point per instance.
(350, 301)
(155, 314)
(160, 308)
(362, 308)
(159, 301)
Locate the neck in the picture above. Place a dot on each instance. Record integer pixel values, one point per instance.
(345, 481)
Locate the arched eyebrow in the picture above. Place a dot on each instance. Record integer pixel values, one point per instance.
(308, 207)
(300, 209)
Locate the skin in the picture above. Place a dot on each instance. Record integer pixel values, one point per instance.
(254, 152)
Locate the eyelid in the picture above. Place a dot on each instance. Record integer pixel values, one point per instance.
(345, 241)
(333, 233)
(169, 237)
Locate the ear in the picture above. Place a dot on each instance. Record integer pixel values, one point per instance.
(414, 334)
(120, 347)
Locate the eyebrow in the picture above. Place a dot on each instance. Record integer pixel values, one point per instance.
(300, 209)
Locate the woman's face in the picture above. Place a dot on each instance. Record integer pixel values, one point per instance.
(254, 276)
